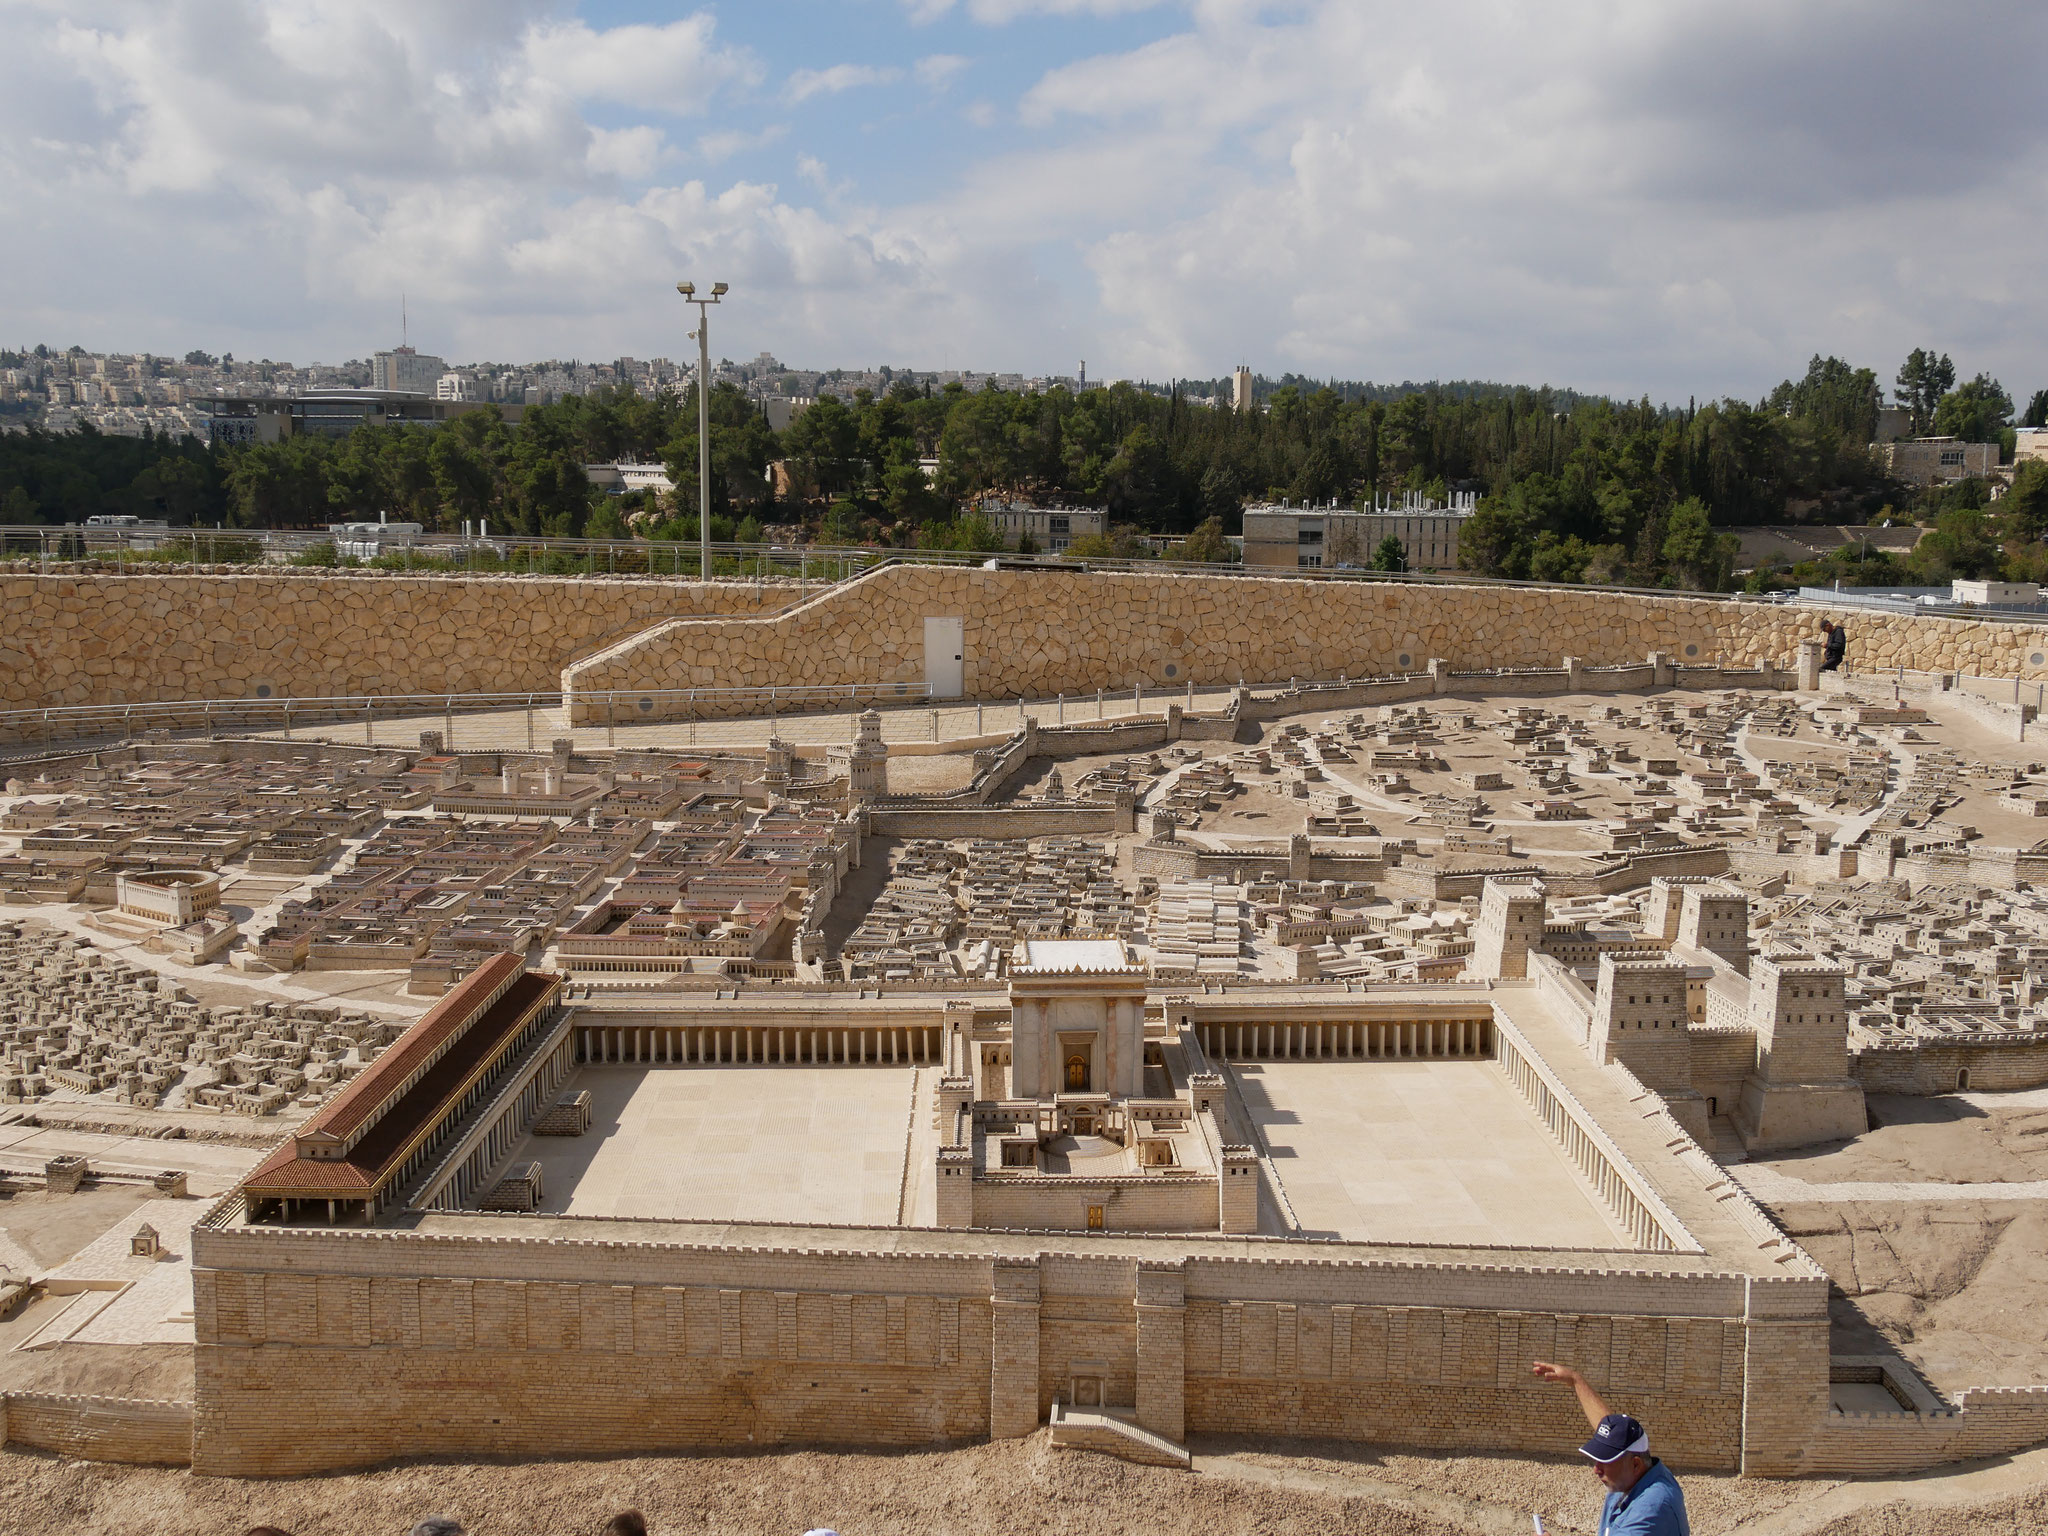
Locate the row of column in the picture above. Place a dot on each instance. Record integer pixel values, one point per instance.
(1411, 1039)
(507, 1129)
(769, 1045)
(388, 1193)
(1588, 1156)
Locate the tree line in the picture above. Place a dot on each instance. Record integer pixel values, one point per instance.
(1572, 487)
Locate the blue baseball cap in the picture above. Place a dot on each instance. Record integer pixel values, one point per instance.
(1618, 1436)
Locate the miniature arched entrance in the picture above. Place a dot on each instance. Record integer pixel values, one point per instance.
(1077, 1072)
(1962, 1079)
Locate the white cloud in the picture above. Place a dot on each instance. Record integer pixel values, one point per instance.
(937, 71)
(672, 68)
(630, 153)
(803, 84)
(1000, 12)
(1625, 197)
(724, 144)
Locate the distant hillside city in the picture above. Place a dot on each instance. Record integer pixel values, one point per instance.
(1936, 479)
(130, 393)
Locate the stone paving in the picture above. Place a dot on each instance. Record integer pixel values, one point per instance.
(154, 1302)
(780, 1143)
(1392, 1151)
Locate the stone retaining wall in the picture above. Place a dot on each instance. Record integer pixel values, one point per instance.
(166, 635)
(1030, 633)
(147, 638)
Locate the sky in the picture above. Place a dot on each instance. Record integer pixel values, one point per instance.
(1624, 196)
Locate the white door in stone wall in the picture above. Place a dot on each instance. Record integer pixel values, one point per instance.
(945, 657)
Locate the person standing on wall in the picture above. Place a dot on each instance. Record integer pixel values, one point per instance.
(1643, 1498)
(1838, 644)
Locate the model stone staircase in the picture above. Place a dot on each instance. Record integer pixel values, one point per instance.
(1114, 1433)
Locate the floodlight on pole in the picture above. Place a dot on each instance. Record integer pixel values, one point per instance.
(703, 333)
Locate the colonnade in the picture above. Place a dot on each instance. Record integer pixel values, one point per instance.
(1588, 1153)
(490, 1143)
(758, 1044)
(1392, 1040)
(427, 1141)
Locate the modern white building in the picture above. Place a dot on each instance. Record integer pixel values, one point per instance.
(629, 475)
(1938, 460)
(366, 541)
(1996, 594)
(406, 371)
(1332, 537)
(1051, 529)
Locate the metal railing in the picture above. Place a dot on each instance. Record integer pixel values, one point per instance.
(87, 724)
(31, 732)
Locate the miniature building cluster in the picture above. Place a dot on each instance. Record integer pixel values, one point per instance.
(77, 1020)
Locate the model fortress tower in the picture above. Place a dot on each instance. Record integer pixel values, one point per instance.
(1640, 1019)
(1801, 1091)
(1700, 912)
(1510, 927)
(865, 764)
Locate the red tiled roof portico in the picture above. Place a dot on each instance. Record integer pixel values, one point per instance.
(479, 1029)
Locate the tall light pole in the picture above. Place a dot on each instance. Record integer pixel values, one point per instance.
(689, 293)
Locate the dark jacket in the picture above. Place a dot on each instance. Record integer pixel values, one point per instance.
(1838, 642)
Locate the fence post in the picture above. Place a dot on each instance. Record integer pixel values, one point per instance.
(529, 722)
(1098, 704)
(448, 723)
(368, 706)
(611, 718)
(977, 717)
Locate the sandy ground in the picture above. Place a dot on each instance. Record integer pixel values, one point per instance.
(1950, 1138)
(1023, 1488)
(51, 1228)
(1954, 1284)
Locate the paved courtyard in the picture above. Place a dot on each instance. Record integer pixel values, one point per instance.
(1418, 1152)
(721, 1143)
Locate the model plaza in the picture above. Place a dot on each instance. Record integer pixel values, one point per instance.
(1085, 1119)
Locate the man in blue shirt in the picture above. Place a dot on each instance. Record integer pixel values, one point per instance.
(1643, 1498)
